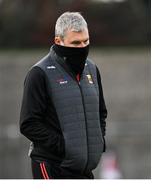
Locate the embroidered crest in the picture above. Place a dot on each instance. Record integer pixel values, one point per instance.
(89, 78)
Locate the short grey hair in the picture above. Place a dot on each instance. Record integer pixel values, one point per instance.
(73, 21)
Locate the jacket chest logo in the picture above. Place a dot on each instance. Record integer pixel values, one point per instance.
(89, 78)
(63, 80)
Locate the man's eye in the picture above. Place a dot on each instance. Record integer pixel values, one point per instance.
(76, 42)
(86, 41)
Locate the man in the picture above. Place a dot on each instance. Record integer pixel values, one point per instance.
(63, 111)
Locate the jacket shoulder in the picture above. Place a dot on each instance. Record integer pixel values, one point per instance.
(90, 62)
(91, 65)
(44, 62)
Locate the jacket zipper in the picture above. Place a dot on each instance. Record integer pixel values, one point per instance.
(78, 82)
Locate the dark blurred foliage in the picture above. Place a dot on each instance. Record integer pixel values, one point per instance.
(27, 23)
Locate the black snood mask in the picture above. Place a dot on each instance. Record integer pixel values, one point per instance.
(75, 57)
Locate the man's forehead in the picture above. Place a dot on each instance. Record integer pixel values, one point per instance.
(80, 35)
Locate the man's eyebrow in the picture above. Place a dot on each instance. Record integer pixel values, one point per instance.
(79, 41)
(75, 41)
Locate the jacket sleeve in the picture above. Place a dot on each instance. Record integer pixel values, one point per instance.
(103, 110)
(33, 109)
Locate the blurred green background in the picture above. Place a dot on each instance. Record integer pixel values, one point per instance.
(120, 36)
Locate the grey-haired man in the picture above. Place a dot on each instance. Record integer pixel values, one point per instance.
(63, 110)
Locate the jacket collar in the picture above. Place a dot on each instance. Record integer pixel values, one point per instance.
(61, 61)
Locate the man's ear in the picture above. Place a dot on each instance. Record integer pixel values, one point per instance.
(57, 40)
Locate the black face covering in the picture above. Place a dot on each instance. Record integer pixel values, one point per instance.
(75, 57)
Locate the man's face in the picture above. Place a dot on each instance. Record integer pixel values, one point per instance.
(74, 39)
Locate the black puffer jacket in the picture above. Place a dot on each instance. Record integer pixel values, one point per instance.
(40, 121)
